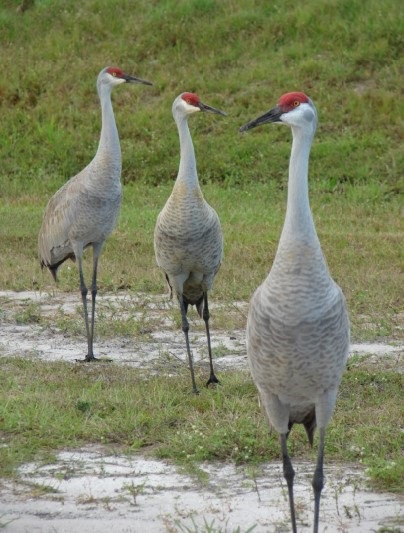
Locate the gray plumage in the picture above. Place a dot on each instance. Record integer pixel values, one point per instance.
(188, 239)
(298, 326)
(85, 210)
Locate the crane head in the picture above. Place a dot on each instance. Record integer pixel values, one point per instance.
(191, 103)
(115, 76)
(294, 109)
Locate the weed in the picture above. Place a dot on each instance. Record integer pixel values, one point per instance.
(209, 527)
(39, 489)
(389, 529)
(221, 350)
(69, 324)
(134, 490)
(30, 314)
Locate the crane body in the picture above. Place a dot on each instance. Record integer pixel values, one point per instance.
(188, 239)
(84, 211)
(298, 325)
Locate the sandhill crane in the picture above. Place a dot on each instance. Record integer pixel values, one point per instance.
(298, 326)
(188, 239)
(84, 211)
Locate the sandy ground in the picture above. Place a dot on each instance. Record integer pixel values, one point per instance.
(97, 489)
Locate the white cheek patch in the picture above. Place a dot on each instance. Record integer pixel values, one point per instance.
(307, 114)
(192, 108)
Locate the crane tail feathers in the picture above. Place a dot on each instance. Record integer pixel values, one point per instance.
(197, 303)
(53, 269)
(170, 288)
(199, 306)
(54, 272)
(309, 423)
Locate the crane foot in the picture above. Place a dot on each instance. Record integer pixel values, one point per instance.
(212, 381)
(92, 359)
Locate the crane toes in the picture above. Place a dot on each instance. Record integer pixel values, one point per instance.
(212, 381)
(88, 359)
(92, 359)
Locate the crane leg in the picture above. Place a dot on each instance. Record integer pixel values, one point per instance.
(185, 329)
(212, 378)
(318, 479)
(288, 474)
(93, 296)
(84, 292)
(96, 253)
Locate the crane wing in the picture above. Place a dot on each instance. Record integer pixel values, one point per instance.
(53, 242)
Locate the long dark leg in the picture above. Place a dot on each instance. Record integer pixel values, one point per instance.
(84, 292)
(212, 378)
(288, 474)
(185, 329)
(318, 479)
(93, 296)
(96, 252)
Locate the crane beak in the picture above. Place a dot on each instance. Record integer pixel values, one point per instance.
(273, 115)
(209, 109)
(133, 79)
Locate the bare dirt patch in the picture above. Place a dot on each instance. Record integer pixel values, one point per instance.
(94, 490)
(159, 338)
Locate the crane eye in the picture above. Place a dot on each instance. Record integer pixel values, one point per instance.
(114, 74)
(296, 103)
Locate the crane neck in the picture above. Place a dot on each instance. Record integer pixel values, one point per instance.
(299, 222)
(187, 173)
(109, 149)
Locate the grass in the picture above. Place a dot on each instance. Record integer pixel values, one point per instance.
(365, 258)
(238, 55)
(44, 407)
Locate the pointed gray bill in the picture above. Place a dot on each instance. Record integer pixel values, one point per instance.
(133, 79)
(273, 115)
(205, 107)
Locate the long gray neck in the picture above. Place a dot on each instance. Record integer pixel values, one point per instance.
(299, 221)
(109, 149)
(187, 173)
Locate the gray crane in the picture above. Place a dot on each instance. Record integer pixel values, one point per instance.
(85, 210)
(298, 325)
(188, 240)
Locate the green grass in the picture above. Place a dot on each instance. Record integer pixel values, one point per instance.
(240, 56)
(44, 407)
(363, 254)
